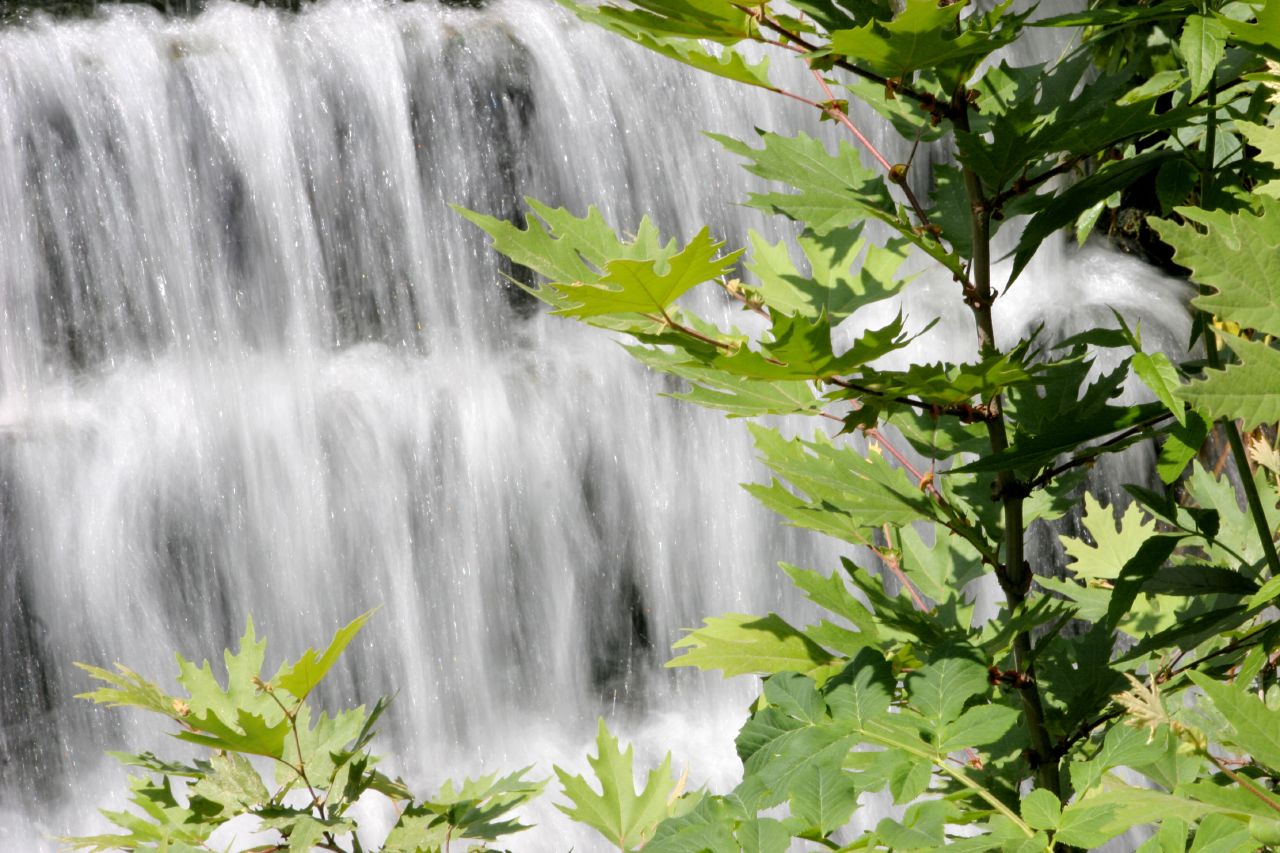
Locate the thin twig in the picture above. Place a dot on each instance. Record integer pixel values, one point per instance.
(900, 180)
(925, 100)
(1242, 781)
(750, 305)
(891, 560)
(1024, 185)
(841, 116)
(1085, 459)
(1235, 645)
(666, 320)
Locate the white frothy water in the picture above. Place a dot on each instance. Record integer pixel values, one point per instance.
(251, 363)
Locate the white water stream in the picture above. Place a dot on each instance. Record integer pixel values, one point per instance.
(251, 363)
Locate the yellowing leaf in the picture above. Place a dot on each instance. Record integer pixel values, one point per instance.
(1264, 454)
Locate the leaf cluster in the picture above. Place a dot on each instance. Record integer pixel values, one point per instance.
(320, 764)
(904, 687)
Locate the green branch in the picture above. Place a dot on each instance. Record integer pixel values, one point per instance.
(1013, 572)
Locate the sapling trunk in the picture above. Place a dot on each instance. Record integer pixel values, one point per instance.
(1012, 572)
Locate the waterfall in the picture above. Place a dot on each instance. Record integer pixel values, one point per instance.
(251, 363)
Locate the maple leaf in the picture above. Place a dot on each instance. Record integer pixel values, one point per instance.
(617, 811)
(1238, 256)
(1114, 545)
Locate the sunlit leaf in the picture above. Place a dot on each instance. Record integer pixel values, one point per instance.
(738, 644)
(623, 815)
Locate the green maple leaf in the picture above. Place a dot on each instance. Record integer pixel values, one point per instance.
(618, 812)
(833, 286)
(831, 188)
(304, 830)
(1238, 255)
(841, 492)
(238, 717)
(1267, 141)
(243, 667)
(243, 731)
(476, 809)
(1252, 726)
(1247, 391)
(232, 783)
(923, 35)
(714, 20)
(475, 806)
(161, 823)
(556, 254)
(1113, 545)
(1263, 35)
(940, 690)
(1202, 44)
(1093, 821)
(301, 677)
(568, 250)
(832, 191)
(943, 384)
(830, 592)
(923, 827)
(679, 36)
(129, 689)
(801, 350)
(324, 745)
(645, 286)
(788, 740)
(739, 644)
(592, 273)
(740, 396)
(824, 797)
(940, 571)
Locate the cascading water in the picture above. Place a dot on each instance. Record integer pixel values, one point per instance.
(251, 363)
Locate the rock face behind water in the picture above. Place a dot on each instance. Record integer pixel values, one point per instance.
(20, 10)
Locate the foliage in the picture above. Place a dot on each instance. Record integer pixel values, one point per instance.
(626, 817)
(1005, 733)
(321, 765)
